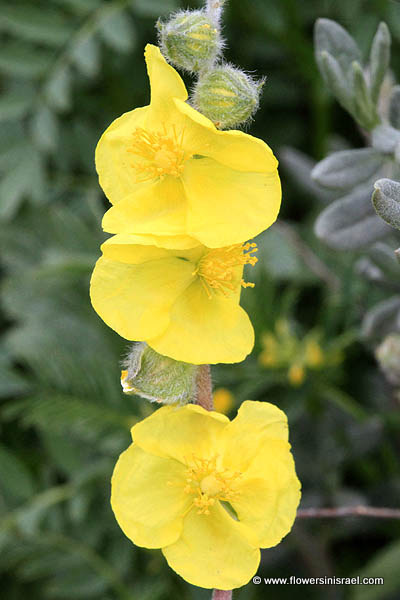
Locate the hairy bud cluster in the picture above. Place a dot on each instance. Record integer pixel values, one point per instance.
(227, 96)
(190, 40)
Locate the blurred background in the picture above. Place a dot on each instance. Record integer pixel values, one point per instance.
(67, 69)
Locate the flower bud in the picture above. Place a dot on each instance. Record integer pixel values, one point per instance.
(190, 40)
(227, 96)
(158, 378)
(388, 356)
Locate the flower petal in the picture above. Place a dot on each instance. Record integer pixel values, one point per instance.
(213, 191)
(180, 432)
(266, 503)
(256, 423)
(158, 208)
(177, 242)
(234, 149)
(113, 161)
(205, 330)
(137, 249)
(165, 82)
(147, 497)
(212, 551)
(135, 300)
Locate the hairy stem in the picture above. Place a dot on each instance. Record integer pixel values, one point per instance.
(222, 595)
(204, 395)
(214, 9)
(349, 511)
(204, 398)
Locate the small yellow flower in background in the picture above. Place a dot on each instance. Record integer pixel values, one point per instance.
(183, 302)
(283, 349)
(223, 400)
(207, 491)
(169, 171)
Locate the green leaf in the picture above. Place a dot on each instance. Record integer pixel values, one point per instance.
(384, 564)
(379, 60)
(44, 128)
(394, 108)
(19, 182)
(118, 31)
(347, 168)
(14, 106)
(330, 37)
(350, 223)
(57, 89)
(19, 60)
(386, 200)
(35, 24)
(86, 56)
(15, 478)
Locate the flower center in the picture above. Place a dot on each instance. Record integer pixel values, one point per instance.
(208, 483)
(216, 269)
(159, 154)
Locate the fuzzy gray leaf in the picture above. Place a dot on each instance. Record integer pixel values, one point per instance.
(348, 168)
(332, 38)
(350, 223)
(394, 108)
(386, 200)
(379, 60)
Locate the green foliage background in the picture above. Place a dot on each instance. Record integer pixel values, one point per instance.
(67, 69)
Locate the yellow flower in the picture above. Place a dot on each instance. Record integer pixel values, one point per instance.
(207, 491)
(169, 171)
(183, 302)
(223, 400)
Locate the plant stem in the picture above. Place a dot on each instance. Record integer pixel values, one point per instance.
(204, 395)
(222, 595)
(349, 511)
(214, 9)
(204, 398)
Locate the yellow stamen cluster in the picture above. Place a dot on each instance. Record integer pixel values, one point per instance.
(208, 483)
(161, 154)
(217, 268)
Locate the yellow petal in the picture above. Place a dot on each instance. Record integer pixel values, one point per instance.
(234, 149)
(147, 497)
(135, 300)
(212, 551)
(256, 423)
(177, 242)
(268, 495)
(165, 82)
(205, 330)
(158, 208)
(180, 433)
(138, 249)
(113, 161)
(226, 206)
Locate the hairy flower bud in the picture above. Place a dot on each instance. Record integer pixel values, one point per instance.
(158, 378)
(190, 40)
(388, 356)
(227, 96)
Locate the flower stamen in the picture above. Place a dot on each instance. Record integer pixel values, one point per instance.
(209, 483)
(216, 269)
(161, 153)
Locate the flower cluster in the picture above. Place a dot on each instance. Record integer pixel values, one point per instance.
(186, 198)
